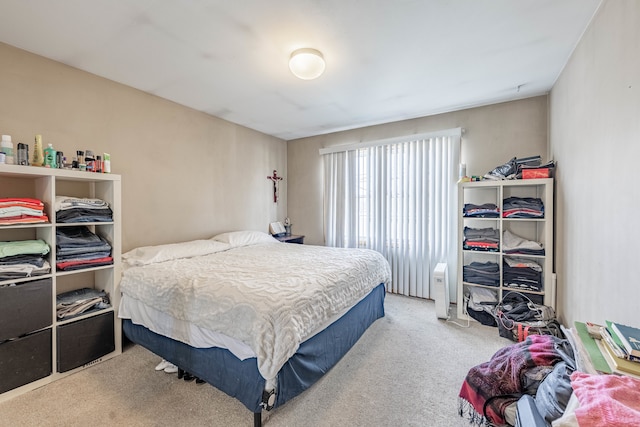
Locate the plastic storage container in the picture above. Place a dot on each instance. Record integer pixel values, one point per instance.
(6, 146)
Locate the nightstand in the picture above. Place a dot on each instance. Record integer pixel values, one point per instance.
(291, 239)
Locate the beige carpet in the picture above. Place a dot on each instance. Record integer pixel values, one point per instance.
(406, 370)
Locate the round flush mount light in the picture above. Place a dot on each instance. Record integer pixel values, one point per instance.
(307, 63)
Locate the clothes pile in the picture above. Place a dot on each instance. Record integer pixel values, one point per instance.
(490, 390)
(482, 273)
(514, 244)
(21, 210)
(77, 248)
(481, 304)
(522, 207)
(23, 258)
(73, 209)
(522, 273)
(80, 301)
(481, 239)
(513, 168)
(486, 210)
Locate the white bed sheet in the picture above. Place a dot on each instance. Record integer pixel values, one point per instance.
(269, 297)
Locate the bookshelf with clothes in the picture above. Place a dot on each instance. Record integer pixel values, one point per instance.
(77, 248)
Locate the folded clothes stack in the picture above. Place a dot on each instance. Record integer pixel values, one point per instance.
(80, 301)
(73, 209)
(77, 248)
(522, 273)
(522, 207)
(23, 258)
(482, 273)
(21, 210)
(481, 239)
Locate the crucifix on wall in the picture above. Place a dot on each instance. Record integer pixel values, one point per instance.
(275, 178)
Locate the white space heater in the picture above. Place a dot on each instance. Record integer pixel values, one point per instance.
(441, 290)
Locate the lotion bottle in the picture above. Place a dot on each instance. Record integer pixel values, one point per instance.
(50, 157)
(38, 154)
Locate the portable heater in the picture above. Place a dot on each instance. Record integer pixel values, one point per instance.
(441, 290)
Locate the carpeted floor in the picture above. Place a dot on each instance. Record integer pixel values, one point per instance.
(405, 371)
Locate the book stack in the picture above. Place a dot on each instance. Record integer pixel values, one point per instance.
(622, 343)
(614, 348)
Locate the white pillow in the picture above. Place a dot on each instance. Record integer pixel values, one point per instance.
(151, 254)
(244, 238)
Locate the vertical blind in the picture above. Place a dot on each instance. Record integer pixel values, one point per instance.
(397, 197)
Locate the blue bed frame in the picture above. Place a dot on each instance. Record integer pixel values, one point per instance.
(241, 379)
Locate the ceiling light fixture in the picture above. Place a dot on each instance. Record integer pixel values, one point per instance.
(307, 63)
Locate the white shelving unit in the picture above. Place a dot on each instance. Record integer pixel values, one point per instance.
(64, 343)
(536, 229)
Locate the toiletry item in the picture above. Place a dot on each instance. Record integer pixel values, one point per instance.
(98, 164)
(6, 146)
(106, 163)
(60, 160)
(89, 161)
(2, 158)
(50, 157)
(23, 154)
(38, 153)
(75, 164)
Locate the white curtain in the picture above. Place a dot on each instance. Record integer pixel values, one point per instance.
(396, 197)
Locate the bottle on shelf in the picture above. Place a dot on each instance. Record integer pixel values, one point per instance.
(50, 159)
(38, 153)
(22, 155)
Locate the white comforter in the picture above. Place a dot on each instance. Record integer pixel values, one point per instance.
(270, 296)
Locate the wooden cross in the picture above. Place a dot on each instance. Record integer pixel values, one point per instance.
(275, 178)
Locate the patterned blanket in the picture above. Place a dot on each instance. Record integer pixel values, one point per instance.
(269, 296)
(491, 387)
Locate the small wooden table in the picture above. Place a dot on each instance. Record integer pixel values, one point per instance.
(292, 238)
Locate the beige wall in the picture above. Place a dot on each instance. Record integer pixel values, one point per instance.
(493, 135)
(185, 174)
(595, 137)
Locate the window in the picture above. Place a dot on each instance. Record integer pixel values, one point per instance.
(397, 197)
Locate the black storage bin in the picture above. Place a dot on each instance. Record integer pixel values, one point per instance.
(25, 307)
(24, 360)
(84, 341)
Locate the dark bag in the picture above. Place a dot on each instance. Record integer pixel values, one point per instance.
(518, 317)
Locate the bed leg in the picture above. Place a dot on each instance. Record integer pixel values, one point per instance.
(257, 419)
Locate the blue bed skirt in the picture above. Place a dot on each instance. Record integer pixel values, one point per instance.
(241, 379)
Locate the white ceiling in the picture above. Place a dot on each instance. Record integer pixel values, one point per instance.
(387, 60)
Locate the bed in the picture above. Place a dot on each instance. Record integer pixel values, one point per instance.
(259, 319)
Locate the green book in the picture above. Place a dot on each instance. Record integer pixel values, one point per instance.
(629, 337)
(613, 331)
(599, 362)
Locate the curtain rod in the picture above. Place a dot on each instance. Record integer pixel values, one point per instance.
(395, 140)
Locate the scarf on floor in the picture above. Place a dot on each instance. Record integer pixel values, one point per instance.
(491, 387)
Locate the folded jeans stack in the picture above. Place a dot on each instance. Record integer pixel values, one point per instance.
(80, 301)
(73, 209)
(77, 248)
